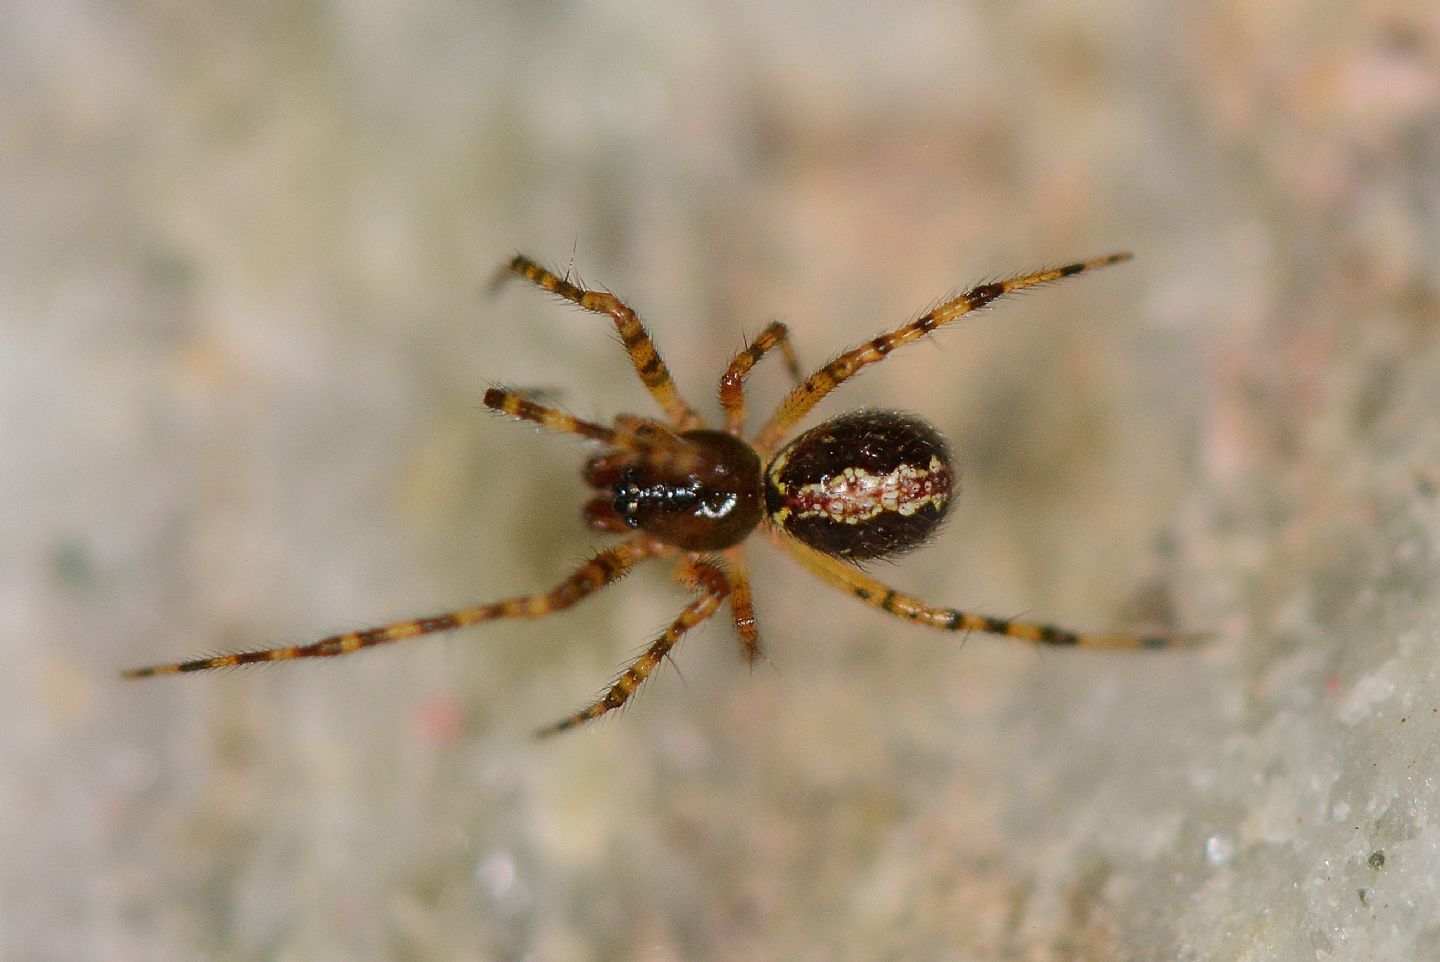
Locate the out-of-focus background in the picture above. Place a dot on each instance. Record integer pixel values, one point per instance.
(244, 338)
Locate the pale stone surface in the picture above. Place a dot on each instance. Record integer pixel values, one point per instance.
(243, 342)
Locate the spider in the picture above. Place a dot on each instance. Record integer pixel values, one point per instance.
(862, 486)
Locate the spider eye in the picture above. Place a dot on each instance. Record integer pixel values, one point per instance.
(627, 498)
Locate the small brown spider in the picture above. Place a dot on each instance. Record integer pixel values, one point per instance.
(864, 485)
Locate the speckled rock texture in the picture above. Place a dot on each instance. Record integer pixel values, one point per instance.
(244, 335)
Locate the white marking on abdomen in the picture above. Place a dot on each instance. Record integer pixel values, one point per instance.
(855, 495)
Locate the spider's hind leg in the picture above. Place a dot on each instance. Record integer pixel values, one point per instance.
(855, 582)
(805, 396)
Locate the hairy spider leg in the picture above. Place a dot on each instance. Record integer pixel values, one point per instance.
(518, 404)
(601, 570)
(712, 586)
(660, 443)
(742, 602)
(732, 382)
(799, 401)
(632, 433)
(854, 581)
(644, 356)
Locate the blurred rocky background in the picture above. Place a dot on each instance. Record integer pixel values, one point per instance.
(244, 336)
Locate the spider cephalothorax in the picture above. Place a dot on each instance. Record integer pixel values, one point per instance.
(860, 486)
(699, 491)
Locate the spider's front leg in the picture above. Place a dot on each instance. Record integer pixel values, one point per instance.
(855, 582)
(656, 441)
(713, 587)
(644, 356)
(601, 570)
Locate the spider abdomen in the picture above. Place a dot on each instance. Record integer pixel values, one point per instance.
(863, 485)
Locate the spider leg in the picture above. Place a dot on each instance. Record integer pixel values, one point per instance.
(644, 356)
(742, 604)
(661, 444)
(599, 571)
(804, 397)
(855, 582)
(711, 584)
(732, 382)
(518, 404)
(632, 433)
